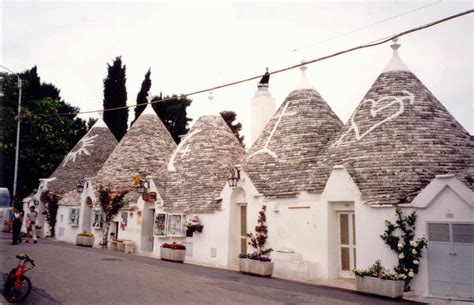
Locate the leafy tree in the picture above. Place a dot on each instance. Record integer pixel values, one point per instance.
(111, 201)
(230, 117)
(141, 96)
(115, 95)
(44, 139)
(91, 123)
(173, 114)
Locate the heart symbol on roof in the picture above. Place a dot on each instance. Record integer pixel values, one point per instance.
(376, 109)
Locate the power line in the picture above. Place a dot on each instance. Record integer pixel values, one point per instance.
(366, 26)
(367, 45)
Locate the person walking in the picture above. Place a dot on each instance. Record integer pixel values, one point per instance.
(17, 220)
(31, 218)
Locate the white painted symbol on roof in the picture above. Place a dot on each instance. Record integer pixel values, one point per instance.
(184, 151)
(265, 149)
(84, 143)
(171, 167)
(410, 97)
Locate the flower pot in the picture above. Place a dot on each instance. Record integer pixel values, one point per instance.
(373, 285)
(255, 267)
(85, 241)
(89, 201)
(173, 255)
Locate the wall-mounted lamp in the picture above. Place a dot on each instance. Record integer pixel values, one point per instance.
(80, 187)
(234, 176)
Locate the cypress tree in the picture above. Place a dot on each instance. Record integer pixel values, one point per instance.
(115, 95)
(173, 114)
(230, 117)
(141, 96)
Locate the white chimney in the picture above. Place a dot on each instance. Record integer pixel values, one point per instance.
(262, 108)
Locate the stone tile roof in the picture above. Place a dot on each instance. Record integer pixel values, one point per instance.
(199, 167)
(397, 140)
(71, 198)
(144, 150)
(85, 159)
(278, 162)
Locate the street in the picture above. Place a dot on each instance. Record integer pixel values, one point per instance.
(68, 274)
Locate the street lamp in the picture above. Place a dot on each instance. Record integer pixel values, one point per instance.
(80, 187)
(234, 176)
(15, 177)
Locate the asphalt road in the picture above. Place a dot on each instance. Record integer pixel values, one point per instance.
(68, 274)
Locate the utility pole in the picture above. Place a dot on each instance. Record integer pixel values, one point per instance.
(17, 150)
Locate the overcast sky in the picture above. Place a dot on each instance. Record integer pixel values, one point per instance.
(192, 46)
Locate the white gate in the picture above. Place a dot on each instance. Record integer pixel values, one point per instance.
(451, 259)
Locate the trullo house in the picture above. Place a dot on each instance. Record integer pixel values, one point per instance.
(143, 151)
(83, 161)
(400, 147)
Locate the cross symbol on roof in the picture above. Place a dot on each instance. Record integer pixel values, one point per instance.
(265, 148)
(184, 151)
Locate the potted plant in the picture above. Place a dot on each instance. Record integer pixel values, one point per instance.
(89, 201)
(194, 225)
(174, 252)
(85, 239)
(380, 281)
(258, 262)
(7, 225)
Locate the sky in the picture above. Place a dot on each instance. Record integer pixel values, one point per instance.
(191, 46)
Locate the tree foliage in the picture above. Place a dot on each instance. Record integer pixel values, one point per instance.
(111, 201)
(115, 95)
(173, 114)
(142, 94)
(230, 117)
(44, 140)
(258, 240)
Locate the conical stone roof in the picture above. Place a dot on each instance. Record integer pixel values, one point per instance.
(144, 150)
(199, 167)
(85, 159)
(279, 161)
(397, 140)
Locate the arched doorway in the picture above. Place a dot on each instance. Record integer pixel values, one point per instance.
(237, 226)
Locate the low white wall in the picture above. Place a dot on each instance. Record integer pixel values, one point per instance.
(64, 231)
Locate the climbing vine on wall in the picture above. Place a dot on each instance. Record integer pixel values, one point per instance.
(51, 200)
(400, 237)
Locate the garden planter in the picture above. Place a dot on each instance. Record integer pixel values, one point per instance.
(256, 267)
(172, 255)
(85, 241)
(373, 285)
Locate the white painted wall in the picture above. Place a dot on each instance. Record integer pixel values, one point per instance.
(444, 199)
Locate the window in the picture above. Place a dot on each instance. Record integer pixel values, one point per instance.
(169, 225)
(160, 224)
(176, 225)
(73, 219)
(97, 218)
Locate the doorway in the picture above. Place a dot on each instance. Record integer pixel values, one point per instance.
(243, 228)
(347, 244)
(451, 259)
(146, 242)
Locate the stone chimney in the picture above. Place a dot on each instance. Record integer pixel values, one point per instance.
(262, 108)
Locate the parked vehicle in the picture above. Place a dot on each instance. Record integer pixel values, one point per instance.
(17, 286)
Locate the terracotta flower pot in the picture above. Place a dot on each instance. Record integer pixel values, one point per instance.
(89, 201)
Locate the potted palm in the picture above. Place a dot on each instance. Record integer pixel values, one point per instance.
(174, 252)
(380, 281)
(85, 239)
(258, 262)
